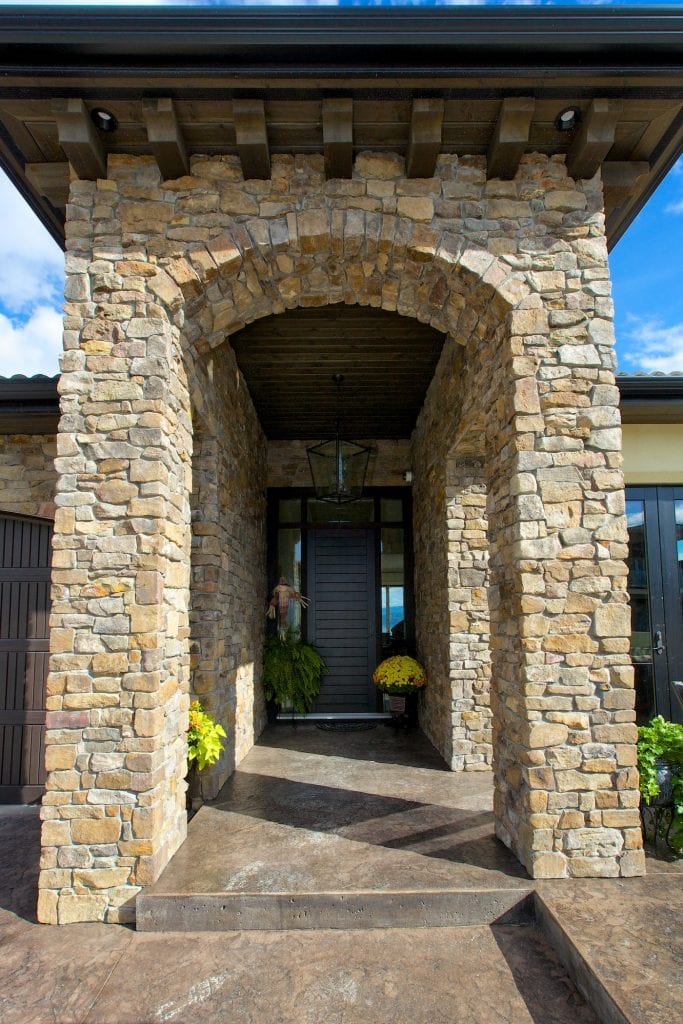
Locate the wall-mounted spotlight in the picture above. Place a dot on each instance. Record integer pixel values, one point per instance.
(103, 120)
(567, 119)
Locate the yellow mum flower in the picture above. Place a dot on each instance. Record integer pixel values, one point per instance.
(399, 675)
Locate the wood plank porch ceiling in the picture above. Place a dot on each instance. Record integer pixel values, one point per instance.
(288, 361)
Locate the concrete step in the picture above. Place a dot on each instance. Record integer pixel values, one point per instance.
(621, 942)
(158, 911)
(484, 975)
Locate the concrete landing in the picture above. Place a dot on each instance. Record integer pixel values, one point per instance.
(340, 830)
(109, 974)
(621, 941)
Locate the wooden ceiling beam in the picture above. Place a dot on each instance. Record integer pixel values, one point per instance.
(338, 137)
(594, 138)
(51, 181)
(252, 138)
(424, 140)
(166, 138)
(510, 137)
(622, 178)
(79, 140)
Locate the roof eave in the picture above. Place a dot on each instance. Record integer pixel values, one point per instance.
(626, 39)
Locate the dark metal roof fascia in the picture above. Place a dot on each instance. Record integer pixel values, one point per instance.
(651, 399)
(39, 40)
(644, 388)
(28, 389)
(630, 386)
(42, 391)
(29, 405)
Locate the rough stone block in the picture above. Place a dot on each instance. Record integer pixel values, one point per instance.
(71, 909)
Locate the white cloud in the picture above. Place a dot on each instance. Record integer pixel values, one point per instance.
(31, 262)
(657, 347)
(31, 289)
(676, 207)
(32, 346)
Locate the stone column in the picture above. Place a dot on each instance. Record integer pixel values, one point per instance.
(468, 586)
(566, 796)
(114, 807)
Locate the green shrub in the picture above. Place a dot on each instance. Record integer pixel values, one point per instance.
(292, 671)
(660, 740)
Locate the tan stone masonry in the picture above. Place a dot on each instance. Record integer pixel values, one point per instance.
(27, 474)
(159, 276)
(288, 464)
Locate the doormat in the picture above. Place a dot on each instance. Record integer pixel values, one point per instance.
(346, 726)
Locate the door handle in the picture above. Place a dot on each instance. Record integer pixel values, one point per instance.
(658, 642)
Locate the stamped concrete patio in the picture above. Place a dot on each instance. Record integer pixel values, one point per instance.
(322, 829)
(315, 873)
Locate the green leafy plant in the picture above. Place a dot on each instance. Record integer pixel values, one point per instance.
(204, 738)
(292, 671)
(659, 741)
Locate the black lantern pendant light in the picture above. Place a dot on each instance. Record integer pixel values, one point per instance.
(338, 467)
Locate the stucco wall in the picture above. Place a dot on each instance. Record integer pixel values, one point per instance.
(653, 453)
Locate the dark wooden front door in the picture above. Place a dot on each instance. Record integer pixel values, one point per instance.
(24, 609)
(342, 616)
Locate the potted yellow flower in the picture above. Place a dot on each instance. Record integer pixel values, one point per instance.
(400, 677)
(204, 746)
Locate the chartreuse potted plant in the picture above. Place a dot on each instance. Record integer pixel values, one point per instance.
(401, 677)
(292, 672)
(660, 764)
(204, 745)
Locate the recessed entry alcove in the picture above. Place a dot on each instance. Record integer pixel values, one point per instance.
(353, 561)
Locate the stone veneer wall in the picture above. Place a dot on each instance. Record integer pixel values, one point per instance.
(452, 578)
(288, 463)
(469, 589)
(158, 275)
(228, 583)
(27, 474)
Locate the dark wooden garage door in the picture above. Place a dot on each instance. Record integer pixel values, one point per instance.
(341, 618)
(24, 609)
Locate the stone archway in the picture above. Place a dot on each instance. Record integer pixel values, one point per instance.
(432, 277)
(152, 307)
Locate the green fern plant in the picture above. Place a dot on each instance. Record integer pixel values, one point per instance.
(292, 671)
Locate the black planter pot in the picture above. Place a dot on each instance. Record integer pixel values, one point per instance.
(272, 711)
(664, 774)
(193, 796)
(407, 717)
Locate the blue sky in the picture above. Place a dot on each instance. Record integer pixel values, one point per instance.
(645, 264)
